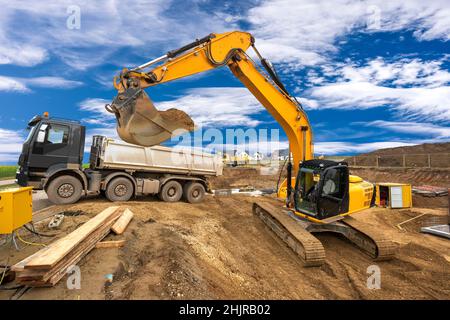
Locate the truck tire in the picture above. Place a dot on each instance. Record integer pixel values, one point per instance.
(171, 191)
(119, 189)
(64, 190)
(193, 192)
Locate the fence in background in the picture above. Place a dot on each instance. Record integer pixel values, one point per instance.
(428, 160)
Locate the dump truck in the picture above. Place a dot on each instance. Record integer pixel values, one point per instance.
(52, 160)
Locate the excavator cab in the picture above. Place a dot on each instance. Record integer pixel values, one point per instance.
(322, 188)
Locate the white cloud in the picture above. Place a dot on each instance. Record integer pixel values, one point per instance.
(99, 117)
(217, 106)
(432, 103)
(22, 55)
(10, 84)
(400, 73)
(414, 128)
(297, 27)
(105, 27)
(297, 32)
(50, 82)
(11, 145)
(413, 88)
(23, 84)
(96, 105)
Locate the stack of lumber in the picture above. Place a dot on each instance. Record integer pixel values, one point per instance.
(49, 265)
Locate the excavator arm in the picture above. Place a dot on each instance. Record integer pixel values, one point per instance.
(140, 123)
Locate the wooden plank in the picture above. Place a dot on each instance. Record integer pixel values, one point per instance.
(110, 244)
(57, 250)
(21, 264)
(55, 278)
(122, 223)
(36, 277)
(72, 258)
(50, 276)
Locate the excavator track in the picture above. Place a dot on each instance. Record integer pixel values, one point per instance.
(303, 243)
(371, 240)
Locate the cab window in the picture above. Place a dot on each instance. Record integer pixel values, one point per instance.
(57, 134)
(306, 191)
(334, 183)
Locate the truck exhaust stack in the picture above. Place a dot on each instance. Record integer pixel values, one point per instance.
(139, 122)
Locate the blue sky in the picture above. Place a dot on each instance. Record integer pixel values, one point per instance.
(371, 74)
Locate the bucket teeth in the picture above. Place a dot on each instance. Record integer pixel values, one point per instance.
(139, 122)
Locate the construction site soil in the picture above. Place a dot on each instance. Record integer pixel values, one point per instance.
(218, 249)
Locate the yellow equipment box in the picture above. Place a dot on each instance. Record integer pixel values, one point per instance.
(393, 195)
(16, 208)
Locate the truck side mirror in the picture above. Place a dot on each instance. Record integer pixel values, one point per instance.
(41, 134)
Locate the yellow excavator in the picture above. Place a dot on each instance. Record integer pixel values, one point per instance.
(320, 195)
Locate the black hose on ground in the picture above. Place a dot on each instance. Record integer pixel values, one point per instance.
(38, 233)
(10, 288)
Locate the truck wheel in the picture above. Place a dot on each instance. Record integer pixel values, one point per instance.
(193, 192)
(119, 189)
(171, 191)
(64, 190)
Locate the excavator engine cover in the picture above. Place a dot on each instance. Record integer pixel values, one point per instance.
(139, 122)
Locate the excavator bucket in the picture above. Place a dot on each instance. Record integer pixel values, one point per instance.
(139, 122)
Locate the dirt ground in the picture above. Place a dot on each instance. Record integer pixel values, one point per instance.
(218, 250)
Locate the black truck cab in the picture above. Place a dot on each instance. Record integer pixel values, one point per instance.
(52, 145)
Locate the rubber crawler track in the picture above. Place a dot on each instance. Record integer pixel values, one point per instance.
(385, 248)
(304, 244)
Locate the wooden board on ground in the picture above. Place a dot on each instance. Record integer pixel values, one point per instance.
(56, 258)
(122, 223)
(60, 248)
(110, 244)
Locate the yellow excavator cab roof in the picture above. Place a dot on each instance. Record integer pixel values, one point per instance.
(355, 179)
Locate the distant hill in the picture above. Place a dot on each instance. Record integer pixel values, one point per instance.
(418, 149)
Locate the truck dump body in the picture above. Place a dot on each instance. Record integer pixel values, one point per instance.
(109, 154)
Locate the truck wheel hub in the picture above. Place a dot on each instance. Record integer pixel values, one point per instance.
(120, 190)
(66, 190)
(195, 193)
(171, 192)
